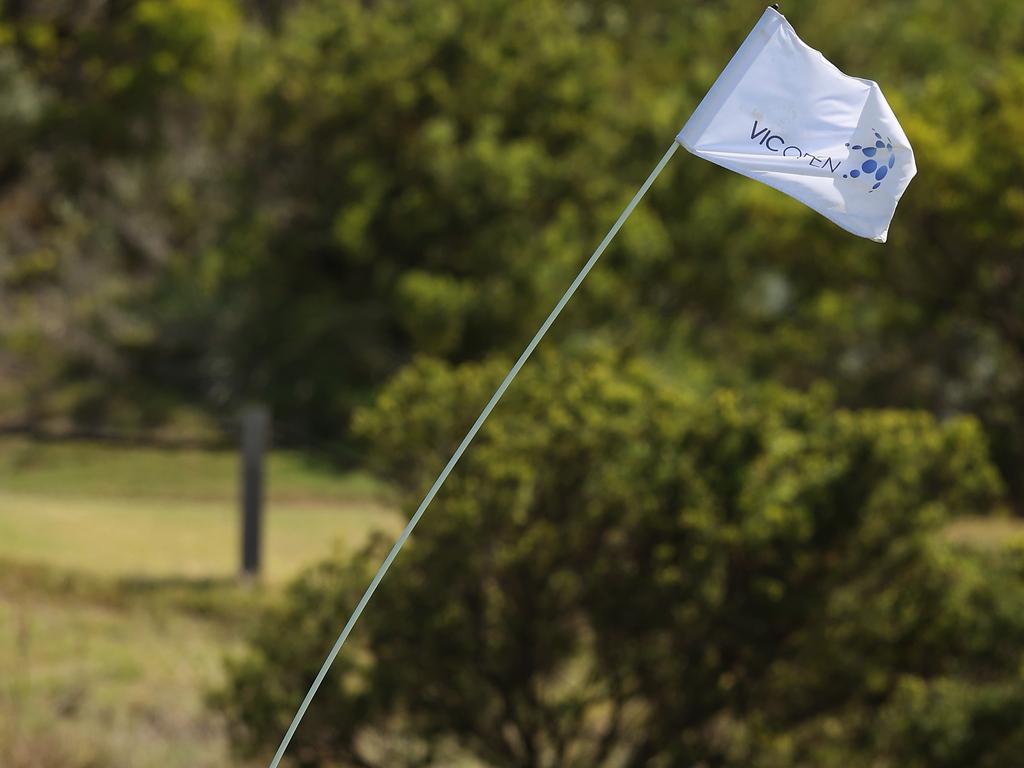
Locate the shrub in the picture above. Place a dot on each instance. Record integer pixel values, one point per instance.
(621, 574)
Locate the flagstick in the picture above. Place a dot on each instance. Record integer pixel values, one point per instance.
(462, 449)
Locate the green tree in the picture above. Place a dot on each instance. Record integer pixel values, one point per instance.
(103, 156)
(620, 574)
(418, 177)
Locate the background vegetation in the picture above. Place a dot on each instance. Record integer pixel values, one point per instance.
(757, 506)
(738, 581)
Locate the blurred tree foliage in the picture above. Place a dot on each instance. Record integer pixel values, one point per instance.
(620, 574)
(100, 106)
(205, 202)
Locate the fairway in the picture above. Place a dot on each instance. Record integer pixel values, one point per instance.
(158, 514)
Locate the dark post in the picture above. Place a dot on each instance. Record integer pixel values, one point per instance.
(255, 428)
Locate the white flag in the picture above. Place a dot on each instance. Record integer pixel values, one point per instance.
(782, 114)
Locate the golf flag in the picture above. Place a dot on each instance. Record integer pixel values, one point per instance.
(782, 114)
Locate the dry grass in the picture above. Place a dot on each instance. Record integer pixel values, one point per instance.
(117, 594)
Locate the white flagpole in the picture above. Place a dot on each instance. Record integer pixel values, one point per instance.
(462, 449)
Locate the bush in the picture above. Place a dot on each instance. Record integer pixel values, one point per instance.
(620, 574)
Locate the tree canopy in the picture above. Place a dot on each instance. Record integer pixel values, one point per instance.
(207, 203)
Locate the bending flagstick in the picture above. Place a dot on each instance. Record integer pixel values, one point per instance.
(404, 535)
(846, 157)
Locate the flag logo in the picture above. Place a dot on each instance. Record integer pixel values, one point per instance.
(879, 158)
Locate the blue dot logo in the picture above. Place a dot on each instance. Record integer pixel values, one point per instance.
(872, 159)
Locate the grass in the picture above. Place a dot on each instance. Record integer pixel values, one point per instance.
(84, 684)
(101, 470)
(159, 514)
(118, 597)
(181, 538)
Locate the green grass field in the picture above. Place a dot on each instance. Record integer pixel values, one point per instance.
(156, 513)
(118, 601)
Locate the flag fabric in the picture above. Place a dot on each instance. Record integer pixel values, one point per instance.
(782, 114)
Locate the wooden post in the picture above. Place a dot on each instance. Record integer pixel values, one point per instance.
(255, 429)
